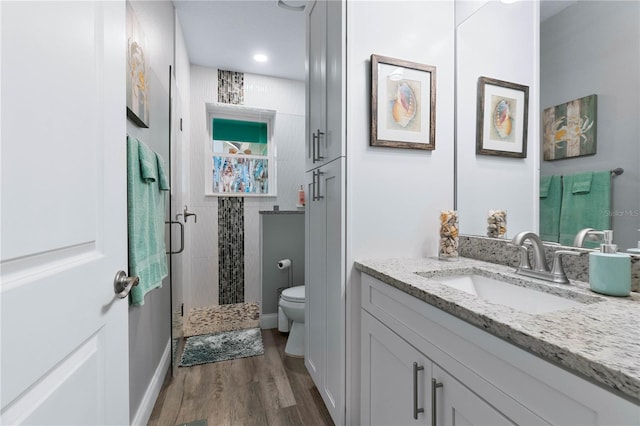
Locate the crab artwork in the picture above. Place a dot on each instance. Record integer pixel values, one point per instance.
(573, 133)
(570, 129)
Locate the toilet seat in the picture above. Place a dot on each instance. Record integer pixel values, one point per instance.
(293, 294)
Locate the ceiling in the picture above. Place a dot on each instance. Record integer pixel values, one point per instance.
(226, 34)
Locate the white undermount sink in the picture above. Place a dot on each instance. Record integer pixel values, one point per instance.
(504, 293)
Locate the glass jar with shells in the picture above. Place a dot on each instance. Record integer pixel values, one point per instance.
(448, 246)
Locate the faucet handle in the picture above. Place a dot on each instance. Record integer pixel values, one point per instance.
(557, 271)
(524, 257)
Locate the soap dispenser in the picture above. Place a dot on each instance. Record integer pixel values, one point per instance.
(609, 271)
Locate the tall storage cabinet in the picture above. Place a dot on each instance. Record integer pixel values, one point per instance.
(325, 320)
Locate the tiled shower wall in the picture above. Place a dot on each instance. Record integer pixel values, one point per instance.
(230, 212)
(230, 250)
(286, 97)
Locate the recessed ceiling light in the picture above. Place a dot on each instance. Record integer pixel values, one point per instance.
(259, 57)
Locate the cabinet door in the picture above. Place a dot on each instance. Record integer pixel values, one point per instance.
(388, 391)
(316, 81)
(332, 143)
(315, 279)
(457, 405)
(325, 294)
(331, 189)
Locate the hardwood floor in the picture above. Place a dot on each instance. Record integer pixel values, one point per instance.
(271, 389)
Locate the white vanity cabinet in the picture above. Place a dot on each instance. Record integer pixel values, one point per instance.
(485, 380)
(402, 386)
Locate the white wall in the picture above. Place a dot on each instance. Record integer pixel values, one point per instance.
(394, 196)
(287, 98)
(149, 325)
(601, 58)
(498, 41)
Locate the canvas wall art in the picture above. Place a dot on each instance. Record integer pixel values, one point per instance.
(137, 72)
(570, 129)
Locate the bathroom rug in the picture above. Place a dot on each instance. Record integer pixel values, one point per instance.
(222, 346)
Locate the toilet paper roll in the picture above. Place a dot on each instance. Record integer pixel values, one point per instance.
(284, 263)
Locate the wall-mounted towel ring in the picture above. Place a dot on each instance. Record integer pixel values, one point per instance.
(188, 213)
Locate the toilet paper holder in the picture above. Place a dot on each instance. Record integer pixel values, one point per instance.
(286, 264)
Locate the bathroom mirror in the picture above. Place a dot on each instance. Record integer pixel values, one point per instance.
(497, 41)
(575, 60)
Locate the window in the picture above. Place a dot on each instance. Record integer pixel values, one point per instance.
(240, 158)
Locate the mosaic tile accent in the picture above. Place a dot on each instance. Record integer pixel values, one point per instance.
(230, 87)
(497, 250)
(216, 319)
(231, 250)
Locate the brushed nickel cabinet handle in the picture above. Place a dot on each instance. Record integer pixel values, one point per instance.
(318, 196)
(313, 145)
(416, 410)
(434, 385)
(320, 157)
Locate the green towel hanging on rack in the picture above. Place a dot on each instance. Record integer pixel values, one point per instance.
(146, 183)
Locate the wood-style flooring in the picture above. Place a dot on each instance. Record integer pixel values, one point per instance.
(271, 389)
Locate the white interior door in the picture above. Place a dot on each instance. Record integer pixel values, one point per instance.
(64, 356)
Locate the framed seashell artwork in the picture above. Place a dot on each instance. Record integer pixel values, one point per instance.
(403, 104)
(502, 118)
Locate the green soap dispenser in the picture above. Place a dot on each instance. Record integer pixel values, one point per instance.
(609, 271)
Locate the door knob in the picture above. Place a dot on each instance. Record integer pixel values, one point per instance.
(122, 284)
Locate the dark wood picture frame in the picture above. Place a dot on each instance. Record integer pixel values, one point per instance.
(403, 104)
(502, 118)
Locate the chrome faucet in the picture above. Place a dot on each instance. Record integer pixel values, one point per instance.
(540, 269)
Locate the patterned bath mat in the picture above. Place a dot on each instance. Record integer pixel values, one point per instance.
(215, 319)
(222, 347)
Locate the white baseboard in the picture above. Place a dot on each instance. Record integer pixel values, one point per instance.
(153, 390)
(268, 321)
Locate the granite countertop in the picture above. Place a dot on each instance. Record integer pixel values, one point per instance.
(599, 339)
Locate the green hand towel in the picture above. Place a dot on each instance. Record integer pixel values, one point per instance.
(550, 202)
(582, 183)
(583, 209)
(146, 211)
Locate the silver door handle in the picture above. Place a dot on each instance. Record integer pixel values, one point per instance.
(173, 222)
(416, 410)
(122, 284)
(434, 385)
(186, 212)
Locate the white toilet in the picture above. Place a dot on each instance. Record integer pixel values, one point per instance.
(292, 305)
